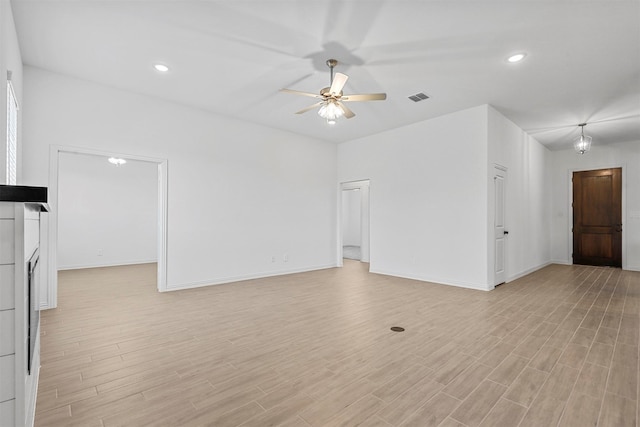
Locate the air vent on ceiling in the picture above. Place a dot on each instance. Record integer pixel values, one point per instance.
(418, 97)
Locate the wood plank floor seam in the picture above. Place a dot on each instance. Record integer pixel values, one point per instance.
(609, 373)
(608, 303)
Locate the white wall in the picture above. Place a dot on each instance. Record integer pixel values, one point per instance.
(564, 163)
(428, 197)
(107, 214)
(10, 60)
(351, 218)
(239, 194)
(528, 197)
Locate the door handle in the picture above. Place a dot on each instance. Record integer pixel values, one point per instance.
(618, 227)
(505, 232)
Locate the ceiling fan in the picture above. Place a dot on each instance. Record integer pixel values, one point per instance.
(331, 104)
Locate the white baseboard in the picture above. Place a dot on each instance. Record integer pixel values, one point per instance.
(436, 281)
(115, 264)
(529, 271)
(632, 268)
(561, 262)
(232, 279)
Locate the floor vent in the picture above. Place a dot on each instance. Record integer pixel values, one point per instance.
(418, 97)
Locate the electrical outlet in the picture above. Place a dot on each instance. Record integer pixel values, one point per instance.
(285, 257)
(100, 252)
(273, 259)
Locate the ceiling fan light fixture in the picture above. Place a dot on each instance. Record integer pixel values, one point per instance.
(330, 111)
(582, 144)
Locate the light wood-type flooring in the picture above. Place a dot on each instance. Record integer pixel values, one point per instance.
(558, 347)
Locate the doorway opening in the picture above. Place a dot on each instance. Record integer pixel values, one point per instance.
(351, 224)
(597, 217)
(354, 221)
(64, 162)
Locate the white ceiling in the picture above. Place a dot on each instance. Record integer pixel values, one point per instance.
(232, 57)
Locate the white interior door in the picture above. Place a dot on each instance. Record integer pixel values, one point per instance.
(500, 233)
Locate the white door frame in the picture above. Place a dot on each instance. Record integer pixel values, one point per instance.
(50, 235)
(365, 239)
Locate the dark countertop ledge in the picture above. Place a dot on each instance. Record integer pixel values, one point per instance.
(24, 194)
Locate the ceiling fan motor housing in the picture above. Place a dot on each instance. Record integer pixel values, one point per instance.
(326, 92)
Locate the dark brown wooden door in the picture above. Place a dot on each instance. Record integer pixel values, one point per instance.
(597, 217)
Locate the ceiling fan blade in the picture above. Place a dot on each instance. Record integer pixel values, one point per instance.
(365, 97)
(338, 83)
(310, 107)
(297, 92)
(347, 112)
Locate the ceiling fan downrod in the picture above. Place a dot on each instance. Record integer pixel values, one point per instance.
(331, 63)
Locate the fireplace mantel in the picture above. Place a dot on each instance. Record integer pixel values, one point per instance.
(25, 194)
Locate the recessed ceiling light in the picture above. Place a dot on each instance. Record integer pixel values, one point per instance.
(517, 57)
(117, 161)
(161, 67)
